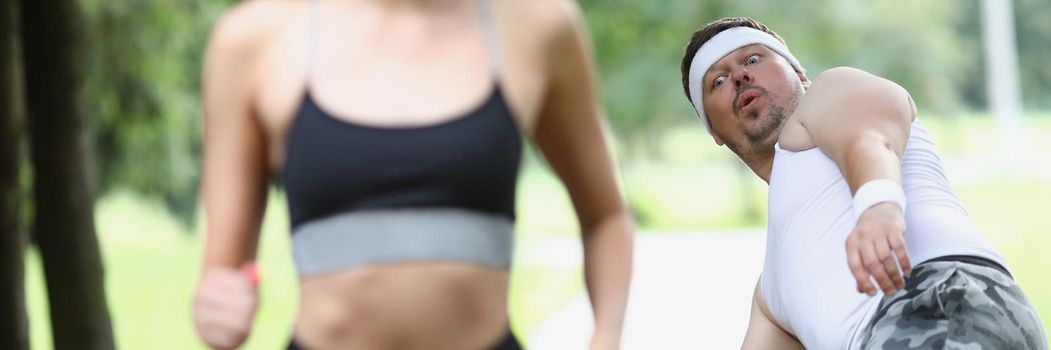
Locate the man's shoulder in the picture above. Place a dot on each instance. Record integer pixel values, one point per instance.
(844, 88)
(844, 78)
(846, 82)
(844, 74)
(843, 93)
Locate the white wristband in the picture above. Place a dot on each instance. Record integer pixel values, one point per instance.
(875, 192)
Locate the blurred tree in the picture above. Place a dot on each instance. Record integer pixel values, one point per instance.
(145, 58)
(143, 87)
(63, 224)
(971, 86)
(1033, 25)
(639, 47)
(1033, 35)
(911, 43)
(14, 327)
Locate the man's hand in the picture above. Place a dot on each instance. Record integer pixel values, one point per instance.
(225, 305)
(871, 249)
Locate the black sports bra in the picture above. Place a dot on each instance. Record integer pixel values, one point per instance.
(334, 166)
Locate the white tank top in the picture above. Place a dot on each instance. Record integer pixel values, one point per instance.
(806, 282)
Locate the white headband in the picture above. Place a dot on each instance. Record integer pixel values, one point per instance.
(718, 47)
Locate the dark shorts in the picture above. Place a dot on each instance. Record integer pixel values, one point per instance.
(956, 304)
(509, 342)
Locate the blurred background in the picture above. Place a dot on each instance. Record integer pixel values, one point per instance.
(700, 212)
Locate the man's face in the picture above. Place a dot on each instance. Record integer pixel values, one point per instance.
(747, 96)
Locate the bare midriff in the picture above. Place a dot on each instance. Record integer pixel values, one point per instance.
(426, 305)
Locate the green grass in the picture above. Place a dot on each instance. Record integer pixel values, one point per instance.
(152, 263)
(151, 266)
(1014, 215)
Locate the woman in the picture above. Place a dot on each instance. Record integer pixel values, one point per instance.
(395, 127)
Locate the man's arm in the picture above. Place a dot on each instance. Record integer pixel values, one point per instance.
(862, 122)
(762, 332)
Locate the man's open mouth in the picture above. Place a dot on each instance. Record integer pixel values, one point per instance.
(746, 99)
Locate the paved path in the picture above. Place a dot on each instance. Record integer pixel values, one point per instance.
(690, 291)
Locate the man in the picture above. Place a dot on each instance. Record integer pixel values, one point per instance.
(849, 166)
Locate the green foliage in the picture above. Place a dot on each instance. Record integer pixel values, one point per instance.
(151, 277)
(1033, 28)
(639, 46)
(1033, 34)
(143, 87)
(145, 61)
(932, 48)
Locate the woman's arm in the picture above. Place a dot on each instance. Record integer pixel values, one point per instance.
(234, 160)
(569, 132)
(233, 184)
(762, 332)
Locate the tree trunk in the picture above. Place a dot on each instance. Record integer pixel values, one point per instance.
(63, 223)
(14, 327)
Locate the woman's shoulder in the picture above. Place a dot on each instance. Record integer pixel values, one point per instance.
(245, 27)
(550, 18)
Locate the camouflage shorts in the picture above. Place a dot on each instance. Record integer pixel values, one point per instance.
(954, 305)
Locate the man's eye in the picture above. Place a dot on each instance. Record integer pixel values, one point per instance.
(718, 82)
(753, 59)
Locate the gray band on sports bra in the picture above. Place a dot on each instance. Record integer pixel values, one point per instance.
(401, 235)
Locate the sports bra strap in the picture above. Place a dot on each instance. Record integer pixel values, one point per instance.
(492, 40)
